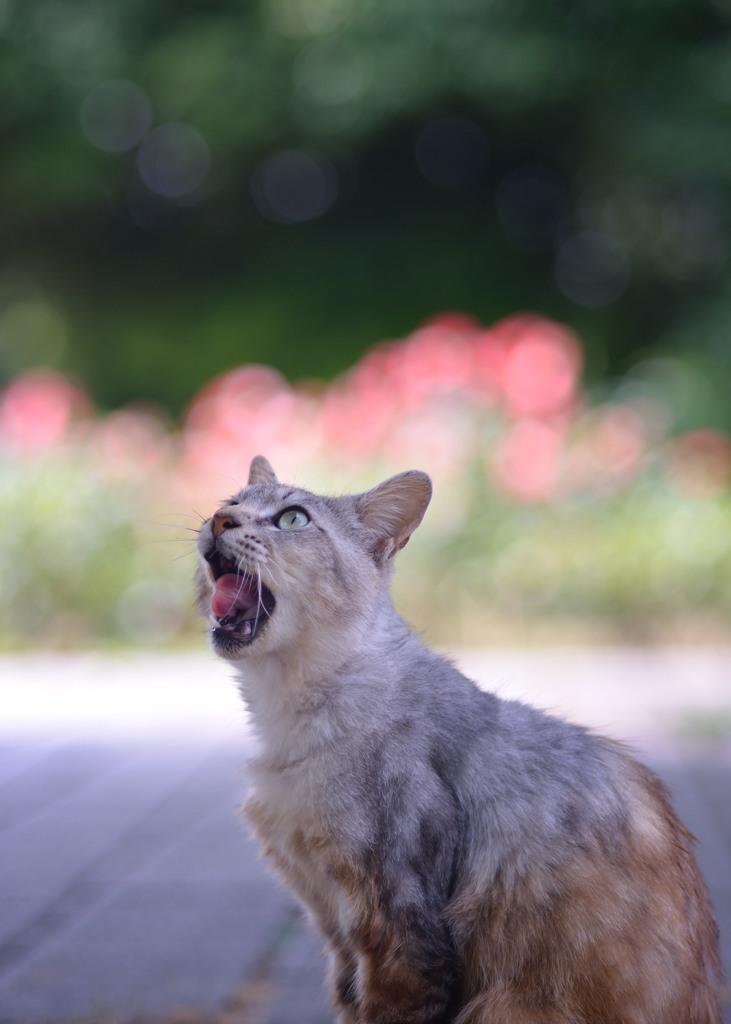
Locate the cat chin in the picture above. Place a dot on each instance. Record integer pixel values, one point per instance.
(233, 640)
(229, 646)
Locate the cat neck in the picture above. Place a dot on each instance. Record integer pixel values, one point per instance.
(306, 697)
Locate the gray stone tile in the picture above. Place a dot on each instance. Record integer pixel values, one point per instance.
(299, 980)
(18, 755)
(149, 950)
(50, 853)
(128, 882)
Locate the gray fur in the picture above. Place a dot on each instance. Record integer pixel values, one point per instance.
(455, 809)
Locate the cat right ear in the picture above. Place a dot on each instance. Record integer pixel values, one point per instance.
(261, 472)
(392, 511)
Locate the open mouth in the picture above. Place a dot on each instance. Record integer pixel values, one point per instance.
(241, 605)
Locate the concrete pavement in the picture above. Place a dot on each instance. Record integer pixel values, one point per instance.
(127, 884)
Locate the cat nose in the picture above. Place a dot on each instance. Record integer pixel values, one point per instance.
(223, 521)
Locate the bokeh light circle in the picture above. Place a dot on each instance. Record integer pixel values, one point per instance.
(591, 269)
(173, 160)
(293, 186)
(116, 115)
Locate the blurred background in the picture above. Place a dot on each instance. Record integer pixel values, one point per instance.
(489, 239)
(484, 238)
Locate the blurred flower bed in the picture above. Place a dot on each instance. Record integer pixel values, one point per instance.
(551, 510)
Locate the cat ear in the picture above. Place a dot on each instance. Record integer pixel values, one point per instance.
(392, 511)
(261, 472)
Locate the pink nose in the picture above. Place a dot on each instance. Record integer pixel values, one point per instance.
(223, 521)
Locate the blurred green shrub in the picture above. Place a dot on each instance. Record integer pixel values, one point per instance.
(289, 179)
(547, 508)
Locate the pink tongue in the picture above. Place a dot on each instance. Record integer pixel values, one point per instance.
(233, 593)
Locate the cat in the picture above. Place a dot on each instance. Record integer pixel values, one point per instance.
(466, 859)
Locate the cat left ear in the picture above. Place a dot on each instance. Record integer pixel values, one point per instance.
(392, 511)
(261, 472)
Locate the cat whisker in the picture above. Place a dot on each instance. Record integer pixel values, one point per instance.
(244, 571)
(273, 578)
(185, 554)
(228, 476)
(242, 582)
(153, 542)
(258, 599)
(168, 540)
(261, 597)
(251, 575)
(192, 550)
(185, 515)
(168, 526)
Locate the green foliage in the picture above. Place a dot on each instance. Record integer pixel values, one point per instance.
(548, 509)
(645, 565)
(625, 232)
(93, 561)
(81, 562)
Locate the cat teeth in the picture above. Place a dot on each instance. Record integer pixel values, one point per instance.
(240, 626)
(232, 624)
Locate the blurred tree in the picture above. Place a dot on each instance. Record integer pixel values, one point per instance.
(189, 185)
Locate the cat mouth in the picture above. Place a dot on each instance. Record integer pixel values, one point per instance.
(241, 605)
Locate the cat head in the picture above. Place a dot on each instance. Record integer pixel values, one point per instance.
(281, 567)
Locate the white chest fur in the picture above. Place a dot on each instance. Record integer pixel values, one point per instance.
(288, 815)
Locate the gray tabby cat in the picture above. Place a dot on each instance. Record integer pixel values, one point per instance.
(465, 858)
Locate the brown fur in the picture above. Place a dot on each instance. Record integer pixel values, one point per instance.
(467, 860)
(579, 946)
(391, 989)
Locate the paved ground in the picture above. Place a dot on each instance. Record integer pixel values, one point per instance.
(128, 886)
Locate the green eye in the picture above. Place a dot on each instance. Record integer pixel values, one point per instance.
(292, 519)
